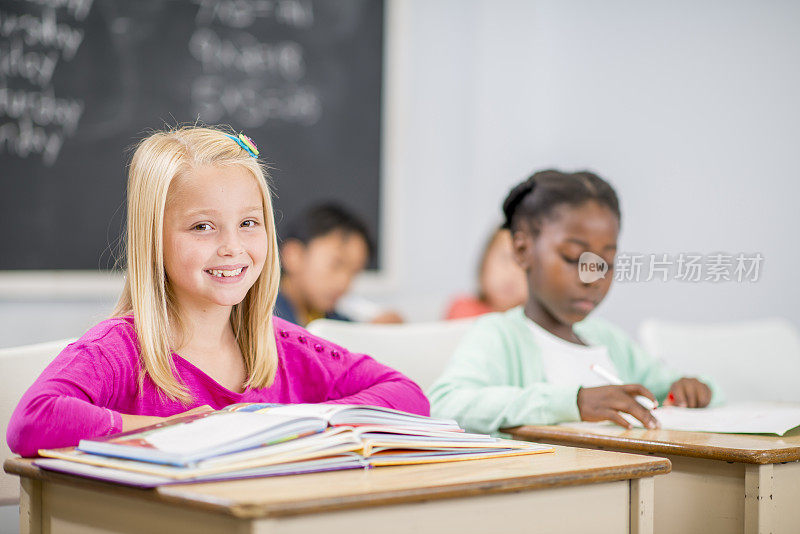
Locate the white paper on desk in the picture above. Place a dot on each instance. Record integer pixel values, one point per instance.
(734, 418)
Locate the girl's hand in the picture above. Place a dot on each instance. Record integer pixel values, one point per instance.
(200, 409)
(688, 393)
(132, 422)
(604, 404)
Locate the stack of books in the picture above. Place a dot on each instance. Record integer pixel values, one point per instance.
(257, 440)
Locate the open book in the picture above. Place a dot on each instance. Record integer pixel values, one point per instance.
(250, 440)
(186, 440)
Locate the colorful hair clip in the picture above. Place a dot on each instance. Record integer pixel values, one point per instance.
(246, 143)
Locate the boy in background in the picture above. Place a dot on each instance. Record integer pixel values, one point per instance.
(322, 252)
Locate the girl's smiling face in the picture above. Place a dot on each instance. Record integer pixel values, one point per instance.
(550, 254)
(215, 240)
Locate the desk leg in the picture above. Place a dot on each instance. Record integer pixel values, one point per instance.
(30, 506)
(642, 501)
(759, 505)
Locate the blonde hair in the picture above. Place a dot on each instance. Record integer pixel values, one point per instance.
(159, 159)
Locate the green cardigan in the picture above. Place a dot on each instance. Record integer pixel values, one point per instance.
(495, 378)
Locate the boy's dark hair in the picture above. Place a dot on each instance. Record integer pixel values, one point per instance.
(537, 197)
(322, 219)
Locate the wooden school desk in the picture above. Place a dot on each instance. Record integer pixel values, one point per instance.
(571, 490)
(722, 483)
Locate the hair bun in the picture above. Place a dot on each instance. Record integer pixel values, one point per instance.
(514, 199)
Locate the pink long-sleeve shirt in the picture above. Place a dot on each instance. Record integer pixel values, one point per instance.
(84, 391)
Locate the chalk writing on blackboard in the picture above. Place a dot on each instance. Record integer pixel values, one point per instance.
(244, 13)
(247, 80)
(34, 120)
(82, 80)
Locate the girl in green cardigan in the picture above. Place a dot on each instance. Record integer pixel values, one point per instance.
(532, 365)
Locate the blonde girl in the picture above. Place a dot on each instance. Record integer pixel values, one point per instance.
(193, 327)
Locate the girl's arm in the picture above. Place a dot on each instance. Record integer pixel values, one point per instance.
(477, 389)
(132, 422)
(68, 402)
(358, 379)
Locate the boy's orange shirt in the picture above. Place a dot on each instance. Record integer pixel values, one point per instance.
(467, 306)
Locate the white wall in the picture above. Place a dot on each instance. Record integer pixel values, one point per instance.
(689, 108)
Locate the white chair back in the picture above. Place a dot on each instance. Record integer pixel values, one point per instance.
(19, 368)
(751, 360)
(418, 350)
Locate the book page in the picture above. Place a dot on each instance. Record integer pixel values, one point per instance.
(734, 418)
(740, 418)
(323, 411)
(211, 431)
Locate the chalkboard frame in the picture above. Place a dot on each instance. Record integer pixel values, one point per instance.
(60, 285)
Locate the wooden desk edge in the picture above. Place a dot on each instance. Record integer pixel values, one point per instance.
(658, 466)
(576, 437)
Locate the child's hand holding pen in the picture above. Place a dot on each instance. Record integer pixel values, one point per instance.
(616, 403)
(613, 403)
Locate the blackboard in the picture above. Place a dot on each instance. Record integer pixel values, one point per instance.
(81, 81)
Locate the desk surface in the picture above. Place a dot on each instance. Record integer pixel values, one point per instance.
(742, 448)
(321, 492)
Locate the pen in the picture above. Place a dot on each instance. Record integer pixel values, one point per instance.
(614, 380)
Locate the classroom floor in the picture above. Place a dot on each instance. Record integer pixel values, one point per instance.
(9, 519)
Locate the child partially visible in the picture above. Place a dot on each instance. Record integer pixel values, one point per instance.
(532, 364)
(322, 252)
(501, 282)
